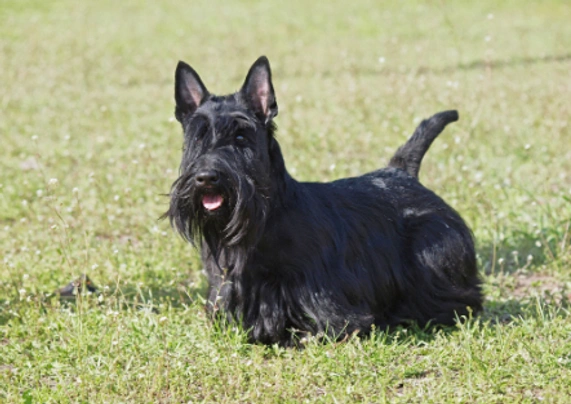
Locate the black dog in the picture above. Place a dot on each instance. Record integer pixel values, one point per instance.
(290, 259)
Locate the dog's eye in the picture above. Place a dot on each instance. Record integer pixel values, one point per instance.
(240, 139)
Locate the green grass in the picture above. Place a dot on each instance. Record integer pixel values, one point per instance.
(89, 148)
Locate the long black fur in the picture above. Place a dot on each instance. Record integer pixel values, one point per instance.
(289, 258)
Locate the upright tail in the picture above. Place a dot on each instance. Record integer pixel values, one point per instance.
(409, 156)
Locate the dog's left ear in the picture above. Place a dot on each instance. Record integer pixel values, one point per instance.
(258, 90)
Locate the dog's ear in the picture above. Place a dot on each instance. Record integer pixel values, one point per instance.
(189, 92)
(258, 90)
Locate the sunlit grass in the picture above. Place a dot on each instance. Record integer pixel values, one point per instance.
(90, 147)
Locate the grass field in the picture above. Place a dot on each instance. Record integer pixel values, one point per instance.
(89, 147)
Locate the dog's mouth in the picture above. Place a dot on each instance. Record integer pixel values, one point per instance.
(212, 202)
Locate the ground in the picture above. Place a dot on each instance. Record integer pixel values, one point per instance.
(90, 148)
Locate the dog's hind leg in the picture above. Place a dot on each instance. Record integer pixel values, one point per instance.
(443, 275)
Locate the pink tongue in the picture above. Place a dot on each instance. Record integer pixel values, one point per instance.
(212, 202)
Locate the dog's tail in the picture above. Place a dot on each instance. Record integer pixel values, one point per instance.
(409, 156)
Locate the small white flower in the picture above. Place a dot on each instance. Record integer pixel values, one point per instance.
(75, 191)
(538, 243)
(39, 193)
(488, 38)
(53, 181)
(529, 258)
(94, 266)
(35, 137)
(116, 198)
(382, 60)
(162, 320)
(490, 16)
(500, 261)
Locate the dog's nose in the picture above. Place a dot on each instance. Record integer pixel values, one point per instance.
(207, 178)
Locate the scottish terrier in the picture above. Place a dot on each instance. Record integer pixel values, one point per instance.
(290, 259)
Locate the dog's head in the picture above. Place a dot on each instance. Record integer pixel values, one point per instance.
(224, 187)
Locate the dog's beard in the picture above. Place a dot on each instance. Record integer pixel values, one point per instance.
(229, 216)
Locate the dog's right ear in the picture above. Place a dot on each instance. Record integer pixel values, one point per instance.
(189, 92)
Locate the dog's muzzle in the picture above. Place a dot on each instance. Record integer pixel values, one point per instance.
(208, 182)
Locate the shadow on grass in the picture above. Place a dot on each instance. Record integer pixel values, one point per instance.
(538, 307)
(521, 249)
(156, 298)
(479, 64)
(181, 294)
(496, 313)
(498, 64)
